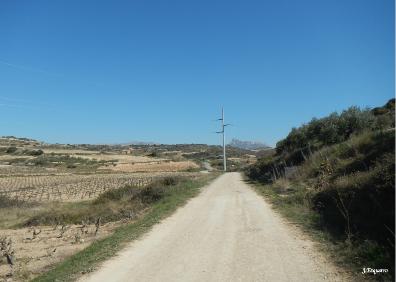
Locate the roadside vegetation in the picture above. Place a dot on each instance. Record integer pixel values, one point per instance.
(123, 203)
(126, 202)
(335, 177)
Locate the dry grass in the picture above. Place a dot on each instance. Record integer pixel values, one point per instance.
(157, 166)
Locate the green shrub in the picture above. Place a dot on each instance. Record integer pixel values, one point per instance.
(34, 152)
(125, 193)
(11, 150)
(334, 129)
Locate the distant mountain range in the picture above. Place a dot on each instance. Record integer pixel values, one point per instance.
(248, 145)
(137, 143)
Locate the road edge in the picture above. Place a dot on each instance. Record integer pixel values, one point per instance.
(90, 258)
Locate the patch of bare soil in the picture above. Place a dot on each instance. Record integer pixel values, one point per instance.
(157, 166)
(36, 249)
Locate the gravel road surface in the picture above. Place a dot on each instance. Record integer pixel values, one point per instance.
(227, 233)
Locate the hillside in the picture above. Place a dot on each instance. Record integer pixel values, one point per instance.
(336, 174)
(247, 145)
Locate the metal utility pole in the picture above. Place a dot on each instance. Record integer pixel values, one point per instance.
(223, 125)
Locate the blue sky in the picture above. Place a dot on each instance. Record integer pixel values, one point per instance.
(116, 71)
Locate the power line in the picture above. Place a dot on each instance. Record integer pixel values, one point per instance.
(223, 126)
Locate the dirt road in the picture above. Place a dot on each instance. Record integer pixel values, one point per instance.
(227, 233)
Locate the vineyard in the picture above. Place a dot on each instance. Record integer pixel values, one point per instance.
(55, 200)
(70, 188)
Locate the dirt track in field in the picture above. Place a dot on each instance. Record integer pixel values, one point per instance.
(227, 233)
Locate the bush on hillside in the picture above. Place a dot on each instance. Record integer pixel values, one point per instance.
(11, 150)
(334, 129)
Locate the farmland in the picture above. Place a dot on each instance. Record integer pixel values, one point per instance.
(56, 199)
(68, 188)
